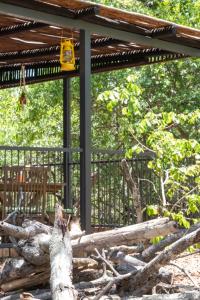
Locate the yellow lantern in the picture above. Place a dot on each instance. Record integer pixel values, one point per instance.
(67, 56)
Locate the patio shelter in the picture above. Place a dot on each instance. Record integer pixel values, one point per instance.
(105, 39)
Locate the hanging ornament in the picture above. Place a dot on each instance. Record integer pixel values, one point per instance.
(22, 96)
(67, 55)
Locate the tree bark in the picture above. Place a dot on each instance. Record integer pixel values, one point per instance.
(61, 260)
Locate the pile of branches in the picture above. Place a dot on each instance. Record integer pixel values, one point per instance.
(119, 262)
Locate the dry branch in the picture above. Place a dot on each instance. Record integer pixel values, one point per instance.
(133, 187)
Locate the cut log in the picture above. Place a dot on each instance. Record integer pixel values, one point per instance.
(150, 270)
(151, 251)
(27, 282)
(125, 235)
(61, 260)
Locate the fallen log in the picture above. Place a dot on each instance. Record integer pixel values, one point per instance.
(40, 237)
(61, 260)
(151, 251)
(150, 270)
(27, 282)
(126, 235)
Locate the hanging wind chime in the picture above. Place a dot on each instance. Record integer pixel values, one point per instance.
(22, 96)
(67, 55)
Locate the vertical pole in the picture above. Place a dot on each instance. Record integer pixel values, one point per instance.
(66, 141)
(85, 130)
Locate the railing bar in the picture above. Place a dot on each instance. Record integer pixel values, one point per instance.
(27, 148)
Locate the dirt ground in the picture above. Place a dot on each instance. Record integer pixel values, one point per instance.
(191, 264)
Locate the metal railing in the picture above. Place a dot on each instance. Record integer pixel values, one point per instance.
(112, 204)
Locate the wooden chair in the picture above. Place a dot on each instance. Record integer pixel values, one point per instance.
(27, 184)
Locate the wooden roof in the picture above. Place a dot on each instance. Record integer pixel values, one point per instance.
(35, 44)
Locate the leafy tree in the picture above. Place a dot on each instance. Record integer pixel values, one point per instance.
(169, 136)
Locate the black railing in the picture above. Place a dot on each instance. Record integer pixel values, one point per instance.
(112, 204)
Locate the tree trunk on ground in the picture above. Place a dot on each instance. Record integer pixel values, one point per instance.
(133, 187)
(61, 260)
(126, 235)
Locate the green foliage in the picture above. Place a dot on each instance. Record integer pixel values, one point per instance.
(168, 135)
(156, 240)
(152, 210)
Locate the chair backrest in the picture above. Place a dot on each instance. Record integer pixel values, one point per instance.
(25, 174)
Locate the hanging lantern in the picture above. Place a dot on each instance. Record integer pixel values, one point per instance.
(67, 56)
(22, 98)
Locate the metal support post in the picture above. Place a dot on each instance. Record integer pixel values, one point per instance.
(67, 142)
(85, 130)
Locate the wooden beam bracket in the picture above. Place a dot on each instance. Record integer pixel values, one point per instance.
(84, 12)
(162, 32)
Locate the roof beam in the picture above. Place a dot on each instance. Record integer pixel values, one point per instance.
(52, 50)
(51, 70)
(150, 55)
(8, 30)
(66, 22)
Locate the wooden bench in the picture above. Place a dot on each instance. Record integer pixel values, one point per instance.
(29, 182)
